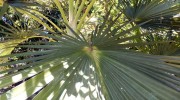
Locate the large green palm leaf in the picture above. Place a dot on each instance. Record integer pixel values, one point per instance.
(160, 12)
(146, 9)
(99, 67)
(75, 68)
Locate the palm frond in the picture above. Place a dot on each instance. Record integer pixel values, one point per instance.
(74, 68)
(97, 67)
(161, 12)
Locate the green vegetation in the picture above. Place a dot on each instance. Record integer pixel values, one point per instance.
(89, 49)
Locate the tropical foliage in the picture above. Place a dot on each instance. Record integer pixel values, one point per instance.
(89, 50)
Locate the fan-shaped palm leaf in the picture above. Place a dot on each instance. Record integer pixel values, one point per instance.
(100, 67)
(97, 69)
(160, 12)
(14, 35)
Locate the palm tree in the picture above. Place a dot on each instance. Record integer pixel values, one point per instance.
(94, 65)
